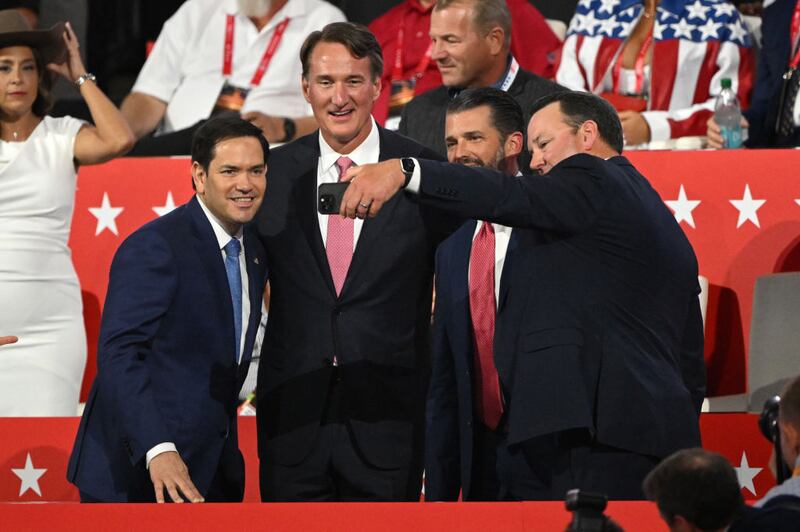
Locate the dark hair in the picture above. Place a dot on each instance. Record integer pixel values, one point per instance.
(44, 99)
(505, 112)
(699, 486)
(488, 14)
(215, 130)
(578, 107)
(358, 40)
(790, 403)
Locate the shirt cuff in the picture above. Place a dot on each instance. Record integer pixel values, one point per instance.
(416, 177)
(659, 125)
(158, 449)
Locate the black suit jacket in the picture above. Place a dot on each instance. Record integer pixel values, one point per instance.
(378, 327)
(166, 365)
(601, 326)
(423, 117)
(773, 61)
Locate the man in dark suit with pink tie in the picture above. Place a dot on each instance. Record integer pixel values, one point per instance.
(344, 371)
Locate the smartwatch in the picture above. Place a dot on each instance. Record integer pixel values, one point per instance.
(407, 165)
(289, 128)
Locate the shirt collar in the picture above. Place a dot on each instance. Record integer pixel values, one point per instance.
(499, 83)
(222, 235)
(366, 152)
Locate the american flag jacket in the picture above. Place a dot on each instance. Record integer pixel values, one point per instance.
(695, 45)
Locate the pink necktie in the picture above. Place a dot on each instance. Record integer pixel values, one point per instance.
(339, 242)
(482, 310)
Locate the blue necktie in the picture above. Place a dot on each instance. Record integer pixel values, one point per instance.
(232, 250)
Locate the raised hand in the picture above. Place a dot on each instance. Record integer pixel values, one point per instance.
(73, 67)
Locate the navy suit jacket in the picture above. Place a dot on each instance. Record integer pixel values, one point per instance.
(600, 328)
(451, 403)
(166, 365)
(773, 61)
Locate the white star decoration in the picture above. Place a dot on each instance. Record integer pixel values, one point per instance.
(745, 474)
(797, 201)
(106, 216)
(168, 207)
(658, 31)
(682, 28)
(725, 8)
(738, 32)
(697, 10)
(30, 477)
(590, 22)
(683, 207)
(607, 26)
(709, 29)
(748, 207)
(608, 5)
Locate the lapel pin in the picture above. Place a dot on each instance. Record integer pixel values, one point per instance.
(256, 260)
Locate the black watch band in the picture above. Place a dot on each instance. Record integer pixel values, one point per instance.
(289, 128)
(407, 165)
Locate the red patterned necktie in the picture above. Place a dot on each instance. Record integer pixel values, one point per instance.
(339, 242)
(482, 310)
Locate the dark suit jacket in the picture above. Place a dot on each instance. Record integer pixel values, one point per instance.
(773, 61)
(601, 327)
(377, 328)
(167, 367)
(451, 401)
(423, 117)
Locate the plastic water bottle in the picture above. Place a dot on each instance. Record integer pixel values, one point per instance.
(728, 116)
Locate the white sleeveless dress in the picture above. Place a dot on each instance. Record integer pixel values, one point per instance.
(40, 298)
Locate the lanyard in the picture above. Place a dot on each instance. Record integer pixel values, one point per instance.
(641, 57)
(227, 59)
(795, 31)
(397, 70)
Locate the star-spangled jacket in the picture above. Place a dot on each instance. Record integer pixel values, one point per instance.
(695, 45)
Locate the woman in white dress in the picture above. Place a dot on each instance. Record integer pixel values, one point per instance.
(40, 298)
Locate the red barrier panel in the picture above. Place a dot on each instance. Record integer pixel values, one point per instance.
(386, 517)
(34, 454)
(739, 209)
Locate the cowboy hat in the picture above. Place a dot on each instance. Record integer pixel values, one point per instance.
(15, 31)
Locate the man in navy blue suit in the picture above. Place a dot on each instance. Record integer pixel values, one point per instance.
(180, 318)
(599, 341)
(483, 127)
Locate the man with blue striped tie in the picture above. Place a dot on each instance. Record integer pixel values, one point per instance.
(180, 319)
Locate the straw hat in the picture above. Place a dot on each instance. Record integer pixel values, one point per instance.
(15, 31)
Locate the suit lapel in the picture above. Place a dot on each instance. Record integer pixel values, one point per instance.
(305, 200)
(255, 262)
(207, 247)
(459, 284)
(513, 242)
(372, 229)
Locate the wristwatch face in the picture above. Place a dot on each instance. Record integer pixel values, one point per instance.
(408, 165)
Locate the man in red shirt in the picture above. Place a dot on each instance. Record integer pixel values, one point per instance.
(411, 72)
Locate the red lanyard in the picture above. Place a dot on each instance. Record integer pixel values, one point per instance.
(397, 70)
(795, 30)
(638, 66)
(227, 58)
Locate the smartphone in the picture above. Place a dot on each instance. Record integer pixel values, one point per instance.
(329, 197)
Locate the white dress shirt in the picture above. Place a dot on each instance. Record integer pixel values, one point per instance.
(222, 240)
(367, 152)
(184, 69)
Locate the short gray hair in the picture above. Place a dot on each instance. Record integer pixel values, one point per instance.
(488, 15)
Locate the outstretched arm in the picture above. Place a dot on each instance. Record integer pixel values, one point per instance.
(110, 136)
